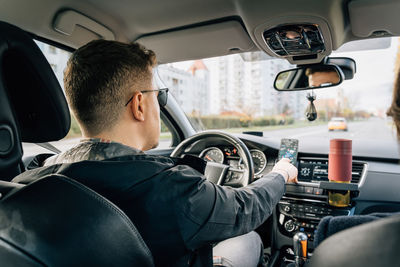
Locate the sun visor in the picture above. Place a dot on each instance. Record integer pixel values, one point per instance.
(199, 42)
(367, 20)
(69, 22)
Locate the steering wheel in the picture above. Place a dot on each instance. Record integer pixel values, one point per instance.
(218, 173)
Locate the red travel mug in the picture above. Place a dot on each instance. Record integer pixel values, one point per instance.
(339, 170)
(340, 160)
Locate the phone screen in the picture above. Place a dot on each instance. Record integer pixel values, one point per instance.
(289, 149)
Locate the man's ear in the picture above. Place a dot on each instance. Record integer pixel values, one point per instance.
(137, 106)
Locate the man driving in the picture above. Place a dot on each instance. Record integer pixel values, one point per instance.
(179, 213)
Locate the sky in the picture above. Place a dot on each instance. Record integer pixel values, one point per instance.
(370, 89)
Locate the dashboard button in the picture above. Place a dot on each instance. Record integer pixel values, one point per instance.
(308, 190)
(310, 215)
(290, 188)
(299, 189)
(318, 191)
(294, 188)
(289, 226)
(286, 208)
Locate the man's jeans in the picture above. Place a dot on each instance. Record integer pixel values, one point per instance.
(241, 251)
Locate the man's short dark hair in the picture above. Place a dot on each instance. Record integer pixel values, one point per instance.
(100, 77)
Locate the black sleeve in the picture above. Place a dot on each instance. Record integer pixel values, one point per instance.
(211, 213)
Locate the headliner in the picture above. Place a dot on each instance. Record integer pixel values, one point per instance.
(130, 20)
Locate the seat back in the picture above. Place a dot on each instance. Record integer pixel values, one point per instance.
(372, 244)
(57, 221)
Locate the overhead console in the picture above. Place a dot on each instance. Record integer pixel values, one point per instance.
(295, 40)
(300, 40)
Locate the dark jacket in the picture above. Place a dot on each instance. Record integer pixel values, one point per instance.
(176, 210)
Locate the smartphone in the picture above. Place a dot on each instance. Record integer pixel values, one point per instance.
(289, 149)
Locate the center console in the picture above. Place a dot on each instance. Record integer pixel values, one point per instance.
(304, 204)
(302, 208)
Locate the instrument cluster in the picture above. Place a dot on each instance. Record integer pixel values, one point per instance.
(229, 155)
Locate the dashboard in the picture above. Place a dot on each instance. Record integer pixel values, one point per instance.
(374, 172)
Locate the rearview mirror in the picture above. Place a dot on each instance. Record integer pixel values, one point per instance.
(309, 77)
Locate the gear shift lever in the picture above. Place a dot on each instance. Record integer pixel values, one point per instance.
(300, 248)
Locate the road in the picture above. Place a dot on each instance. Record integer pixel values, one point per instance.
(373, 129)
(372, 138)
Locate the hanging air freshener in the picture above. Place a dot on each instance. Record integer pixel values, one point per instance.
(311, 112)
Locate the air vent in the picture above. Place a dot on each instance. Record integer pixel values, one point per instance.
(356, 172)
(316, 169)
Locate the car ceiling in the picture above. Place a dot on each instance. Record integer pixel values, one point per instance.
(173, 26)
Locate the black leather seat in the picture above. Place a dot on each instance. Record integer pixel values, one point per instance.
(54, 221)
(372, 244)
(57, 221)
(32, 105)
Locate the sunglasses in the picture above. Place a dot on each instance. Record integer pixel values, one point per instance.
(162, 96)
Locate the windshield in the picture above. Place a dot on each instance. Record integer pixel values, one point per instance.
(235, 93)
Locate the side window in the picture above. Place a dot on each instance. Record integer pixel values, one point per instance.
(57, 59)
(165, 137)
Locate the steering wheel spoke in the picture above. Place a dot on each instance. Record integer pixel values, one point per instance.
(236, 170)
(216, 172)
(234, 177)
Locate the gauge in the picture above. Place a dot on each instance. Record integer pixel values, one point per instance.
(231, 152)
(259, 160)
(227, 151)
(213, 154)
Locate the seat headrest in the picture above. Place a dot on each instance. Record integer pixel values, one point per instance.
(35, 97)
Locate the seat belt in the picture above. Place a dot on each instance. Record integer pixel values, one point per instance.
(50, 147)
